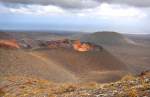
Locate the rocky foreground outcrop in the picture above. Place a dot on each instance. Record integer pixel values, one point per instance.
(129, 86)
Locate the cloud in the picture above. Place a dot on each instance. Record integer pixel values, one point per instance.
(71, 4)
(38, 10)
(114, 11)
(32, 9)
(78, 4)
(104, 10)
(137, 3)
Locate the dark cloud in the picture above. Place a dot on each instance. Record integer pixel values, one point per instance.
(79, 3)
(60, 3)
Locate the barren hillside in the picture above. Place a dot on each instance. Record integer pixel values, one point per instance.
(107, 38)
(19, 62)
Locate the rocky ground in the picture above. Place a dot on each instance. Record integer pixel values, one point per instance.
(128, 86)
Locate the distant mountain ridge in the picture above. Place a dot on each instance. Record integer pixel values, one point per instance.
(5, 35)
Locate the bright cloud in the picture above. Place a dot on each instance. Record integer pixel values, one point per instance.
(38, 10)
(114, 11)
(32, 9)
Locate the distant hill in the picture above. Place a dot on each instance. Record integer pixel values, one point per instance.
(106, 38)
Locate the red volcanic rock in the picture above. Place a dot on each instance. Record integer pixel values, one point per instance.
(82, 47)
(11, 43)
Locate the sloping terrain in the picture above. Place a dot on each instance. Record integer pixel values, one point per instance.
(137, 56)
(62, 65)
(132, 50)
(98, 66)
(20, 86)
(19, 62)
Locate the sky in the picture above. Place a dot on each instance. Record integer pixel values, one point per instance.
(124, 16)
